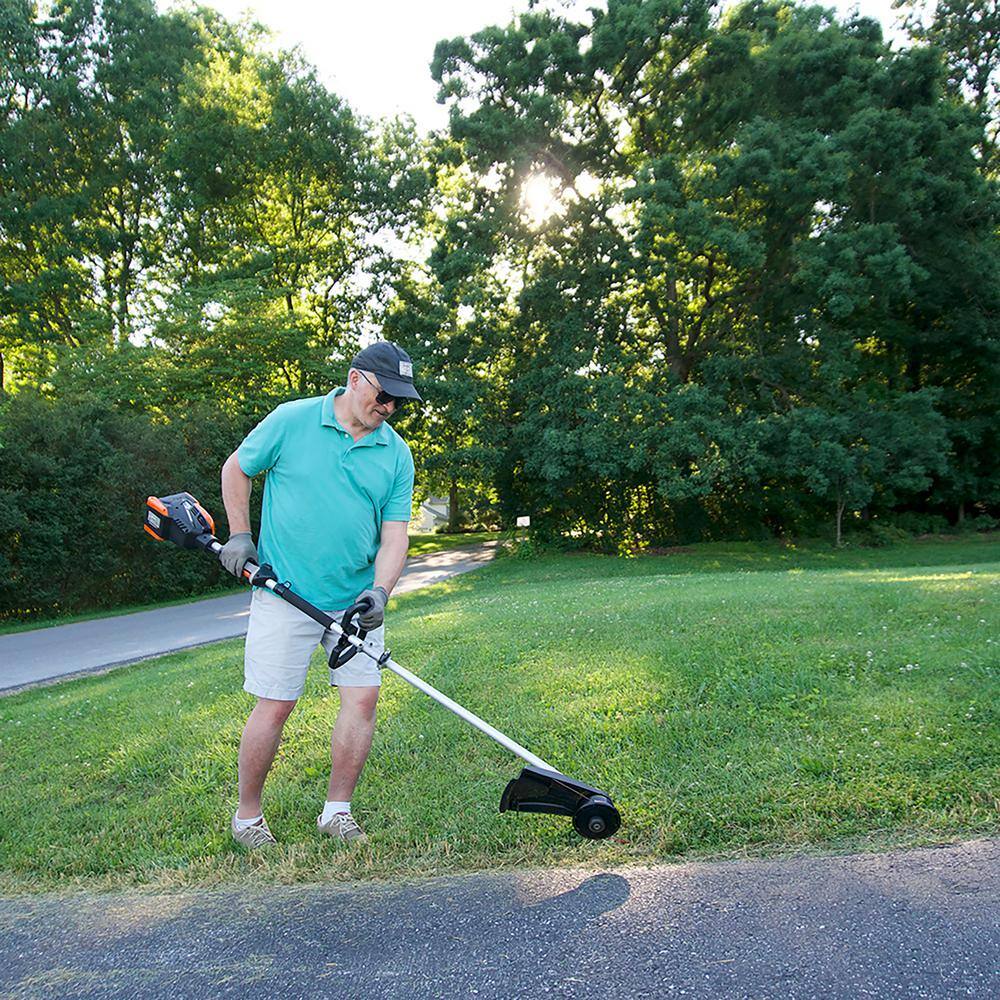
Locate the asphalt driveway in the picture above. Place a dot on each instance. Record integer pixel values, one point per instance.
(921, 923)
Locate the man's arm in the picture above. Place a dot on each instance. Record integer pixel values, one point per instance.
(236, 486)
(389, 562)
(391, 556)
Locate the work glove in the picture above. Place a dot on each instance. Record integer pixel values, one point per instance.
(237, 551)
(374, 615)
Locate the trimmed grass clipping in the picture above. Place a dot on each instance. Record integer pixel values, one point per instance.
(732, 699)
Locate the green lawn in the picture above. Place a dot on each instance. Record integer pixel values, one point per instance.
(732, 699)
(420, 545)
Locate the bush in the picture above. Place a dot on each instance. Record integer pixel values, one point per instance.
(878, 535)
(981, 523)
(921, 524)
(74, 477)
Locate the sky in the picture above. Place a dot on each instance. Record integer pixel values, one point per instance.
(376, 53)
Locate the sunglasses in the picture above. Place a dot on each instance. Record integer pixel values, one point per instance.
(382, 397)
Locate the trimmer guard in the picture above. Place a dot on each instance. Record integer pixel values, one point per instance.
(540, 791)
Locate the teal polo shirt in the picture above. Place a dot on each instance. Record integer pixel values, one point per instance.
(325, 497)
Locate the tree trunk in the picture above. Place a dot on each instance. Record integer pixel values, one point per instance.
(961, 508)
(841, 504)
(124, 319)
(913, 370)
(680, 365)
(453, 507)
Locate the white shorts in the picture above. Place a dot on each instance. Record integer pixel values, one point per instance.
(280, 643)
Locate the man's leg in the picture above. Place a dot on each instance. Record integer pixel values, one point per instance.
(259, 744)
(351, 740)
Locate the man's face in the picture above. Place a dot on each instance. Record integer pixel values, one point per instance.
(369, 411)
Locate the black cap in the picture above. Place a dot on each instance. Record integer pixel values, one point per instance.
(392, 365)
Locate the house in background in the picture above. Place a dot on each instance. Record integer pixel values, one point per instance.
(433, 512)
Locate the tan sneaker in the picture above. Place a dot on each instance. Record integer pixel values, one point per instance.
(342, 826)
(253, 837)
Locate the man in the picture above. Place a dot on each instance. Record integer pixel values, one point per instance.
(334, 519)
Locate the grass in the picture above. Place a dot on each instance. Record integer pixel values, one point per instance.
(420, 545)
(733, 699)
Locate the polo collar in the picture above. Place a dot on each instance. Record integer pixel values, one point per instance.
(329, 419)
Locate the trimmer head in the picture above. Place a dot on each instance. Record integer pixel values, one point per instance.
(536, 790)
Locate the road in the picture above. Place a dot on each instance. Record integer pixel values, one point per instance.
(920, 923)
(28, 658)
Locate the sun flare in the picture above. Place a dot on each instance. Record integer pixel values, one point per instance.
(540, 198)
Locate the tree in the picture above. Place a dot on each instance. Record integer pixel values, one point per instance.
(89, 94)
(282, 209)
(727, 195)
(854, 448)
(967, 32)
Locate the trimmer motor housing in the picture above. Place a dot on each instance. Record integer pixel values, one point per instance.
(179, 519)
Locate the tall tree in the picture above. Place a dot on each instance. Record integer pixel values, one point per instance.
(968, 33)
(89, 91)
(285, 212)
(728, 197)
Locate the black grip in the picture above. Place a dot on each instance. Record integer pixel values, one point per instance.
(347, 619)
(304, 606)
(346, 650)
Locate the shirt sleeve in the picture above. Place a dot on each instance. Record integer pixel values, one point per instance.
(399, 506)
(262, 446)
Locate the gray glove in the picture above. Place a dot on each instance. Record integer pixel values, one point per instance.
(375, 614)
(237, 551)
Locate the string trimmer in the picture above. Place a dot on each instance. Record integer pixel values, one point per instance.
(539, 788)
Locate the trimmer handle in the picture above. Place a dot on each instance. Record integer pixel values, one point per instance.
(259, 576)
(345, 649)
(180, 519)
(353, 611)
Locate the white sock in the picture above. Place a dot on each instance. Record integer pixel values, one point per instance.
(242, 824)
(332, 808)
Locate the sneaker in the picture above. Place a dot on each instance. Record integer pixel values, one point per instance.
(253, 837)
(342, 826)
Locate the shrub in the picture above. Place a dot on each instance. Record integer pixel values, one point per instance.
(878, 535)
(74, 477)
(981, 523)
(917, 523)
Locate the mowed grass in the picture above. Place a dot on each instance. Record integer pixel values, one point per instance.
(732, 699)
(422, 545)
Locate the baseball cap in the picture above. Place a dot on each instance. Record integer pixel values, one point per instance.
(392, 365)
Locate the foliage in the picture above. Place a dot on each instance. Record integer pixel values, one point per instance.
(737, 300)
(967, 32)
(74, 477)
(673, 273)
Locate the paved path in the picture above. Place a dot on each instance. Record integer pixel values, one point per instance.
(909, 924)
(82, 647)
